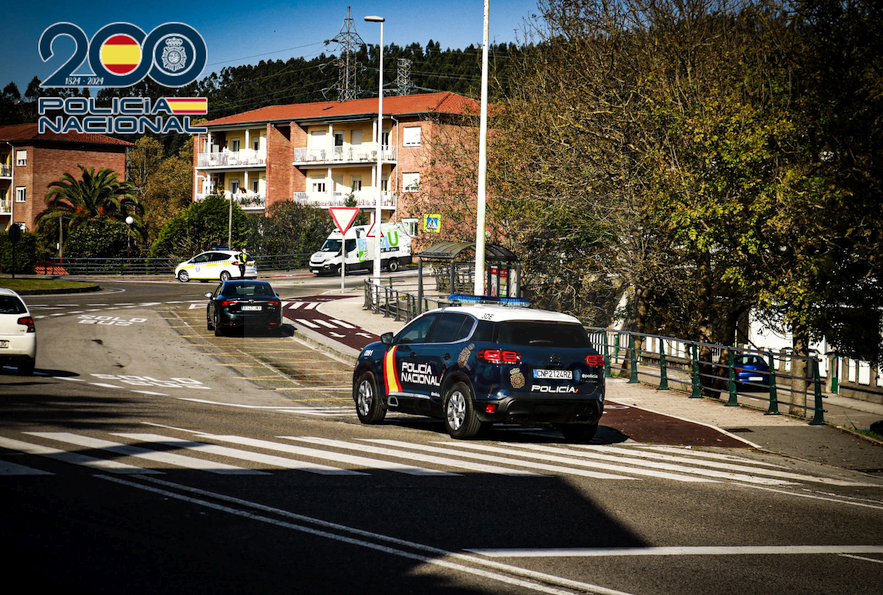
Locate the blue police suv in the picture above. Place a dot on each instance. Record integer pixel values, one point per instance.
(478, 364)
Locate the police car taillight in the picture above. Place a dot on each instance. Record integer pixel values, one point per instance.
(595, 360)
(499, 356)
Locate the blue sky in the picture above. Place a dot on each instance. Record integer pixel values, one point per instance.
(247, 31)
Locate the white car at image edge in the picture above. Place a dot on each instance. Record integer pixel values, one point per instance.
(216, 265)
(18, 335)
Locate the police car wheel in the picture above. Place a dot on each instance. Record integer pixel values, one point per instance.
(225, 276)
(460, 419)
(368, 406)
(579, 433)
(183, 277)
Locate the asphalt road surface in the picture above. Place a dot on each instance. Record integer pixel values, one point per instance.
(149, 456)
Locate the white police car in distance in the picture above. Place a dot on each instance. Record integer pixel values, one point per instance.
(217, 265)
(478, 364)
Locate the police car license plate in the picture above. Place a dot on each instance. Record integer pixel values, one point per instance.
(755, 378)
(553, 374)
(251, 308)
(4, 344)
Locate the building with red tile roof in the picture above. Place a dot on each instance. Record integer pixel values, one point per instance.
(320, 153)
(30, 161)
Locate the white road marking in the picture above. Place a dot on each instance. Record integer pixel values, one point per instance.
(356, 460)
(307, 323)
(156, 456)
(420, 457)
(256, 457)
(746, 550)
(342, 323)
(75, 458)
(549, 456)
(7, 468)
(503, 460)
(434, 556)
(632, 459)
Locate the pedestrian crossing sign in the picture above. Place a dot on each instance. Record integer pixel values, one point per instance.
(432, 223)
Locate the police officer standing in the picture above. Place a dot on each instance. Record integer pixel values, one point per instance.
(241, 258)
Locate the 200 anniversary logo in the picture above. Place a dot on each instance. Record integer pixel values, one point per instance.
(122, 55)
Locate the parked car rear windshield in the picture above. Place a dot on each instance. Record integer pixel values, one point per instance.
(9, 304)
(539, 334)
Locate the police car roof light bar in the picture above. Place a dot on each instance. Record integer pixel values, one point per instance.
(467, 299)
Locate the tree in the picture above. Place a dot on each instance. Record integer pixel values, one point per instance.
(199, 227)
(288, 228)
(72, 203)
(164, 185)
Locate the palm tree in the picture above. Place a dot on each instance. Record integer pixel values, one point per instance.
(75, 202)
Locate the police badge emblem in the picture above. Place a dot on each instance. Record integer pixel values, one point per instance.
(516, 378)
(464, 355)
(174, 57)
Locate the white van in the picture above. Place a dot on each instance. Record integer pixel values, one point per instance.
(395, 250)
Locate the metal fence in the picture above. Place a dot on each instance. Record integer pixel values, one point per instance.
(696, 368)
(155, 266)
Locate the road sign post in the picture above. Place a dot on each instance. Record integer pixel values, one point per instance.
(343, 218)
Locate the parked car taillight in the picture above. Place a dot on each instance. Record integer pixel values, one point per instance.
(499, 356)
(227, 303)
(595, 359)
(275, 303)
(28, 322)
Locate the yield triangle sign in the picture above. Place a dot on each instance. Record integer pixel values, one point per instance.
(371, 233)
(343, 217)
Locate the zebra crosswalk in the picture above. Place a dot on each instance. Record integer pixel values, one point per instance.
(159, 452)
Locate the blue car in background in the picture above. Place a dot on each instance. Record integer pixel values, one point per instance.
(752, 370)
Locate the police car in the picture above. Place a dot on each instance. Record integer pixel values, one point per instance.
(219, 265)
(481, 363)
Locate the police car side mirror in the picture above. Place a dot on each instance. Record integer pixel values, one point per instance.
(209, 295)
(386, 338)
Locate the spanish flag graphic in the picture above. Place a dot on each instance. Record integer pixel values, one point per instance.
(187, 106)
(120, 54)
(389, 372)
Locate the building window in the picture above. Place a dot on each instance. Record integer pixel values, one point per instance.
(357, 184)
(319, 186)
(21, 157)
(255, 186)
(234, 186)
(411, 182)
(257, 145)
(384, 183)
(20, 194)
(235, 146)
(411, 136)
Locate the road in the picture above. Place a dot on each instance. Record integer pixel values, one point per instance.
(148, 455)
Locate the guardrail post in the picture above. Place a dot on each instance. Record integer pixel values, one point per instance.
(774, 395)
(663, 371)
(607, 372)
(633, 361)
(734, 399)
(694, 364)
(819, 415)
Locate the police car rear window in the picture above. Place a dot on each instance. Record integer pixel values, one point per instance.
(542, 334)
(9, 304)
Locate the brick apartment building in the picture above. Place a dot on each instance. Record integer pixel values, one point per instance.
(319, 153)
(30, 161)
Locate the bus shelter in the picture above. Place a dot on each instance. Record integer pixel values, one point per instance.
(502, 269)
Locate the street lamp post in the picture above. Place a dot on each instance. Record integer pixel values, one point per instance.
(481, 205)
(129, 222)
(378, 209)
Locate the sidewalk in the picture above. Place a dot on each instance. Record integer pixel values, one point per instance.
(789, 436)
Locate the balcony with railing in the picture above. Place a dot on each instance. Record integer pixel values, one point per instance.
(5, 206)
(364, 199)
(5, 170)
(364, 154)
(240, 159)
(248, 201)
